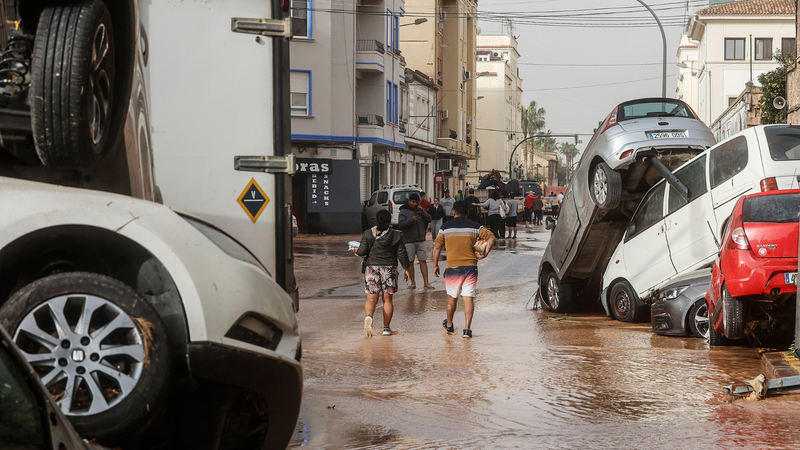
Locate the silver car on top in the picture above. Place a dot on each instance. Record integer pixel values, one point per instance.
(639, 143)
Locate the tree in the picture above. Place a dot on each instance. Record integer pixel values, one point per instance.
(569, 150)
(532, 123)
(773, 84)
(546, 143)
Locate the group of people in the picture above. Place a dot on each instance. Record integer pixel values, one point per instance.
(534, 207)
(383, 248)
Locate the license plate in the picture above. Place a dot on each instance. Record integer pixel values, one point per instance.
(790, 278)
(667, 135)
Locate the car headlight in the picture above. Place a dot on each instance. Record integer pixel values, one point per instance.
(256, 330)
(672, 293)
(226, 243)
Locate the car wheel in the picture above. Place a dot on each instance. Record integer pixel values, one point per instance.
(624, 304)
(73, 84)
(605, 187)
(99, 347)
(558, 295)
(699, 320)
(732, 315)
(715, 339)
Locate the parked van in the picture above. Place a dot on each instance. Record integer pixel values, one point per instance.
(390, 198)
(670, 235)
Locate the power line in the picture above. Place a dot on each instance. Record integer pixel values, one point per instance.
(595, 85)
(589, 65)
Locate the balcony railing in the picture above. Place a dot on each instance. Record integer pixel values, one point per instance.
(370, 119)
(370, 45)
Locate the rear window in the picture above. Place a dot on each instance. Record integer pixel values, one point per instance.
(628, 111)
(784, 143)
(401, 197)
(782, 208)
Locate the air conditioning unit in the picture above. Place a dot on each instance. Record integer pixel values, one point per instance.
(442, 16)
(445, 114)
(444, 165)
(469, 120)
(455, 172)
(496, 55)
(467, 75)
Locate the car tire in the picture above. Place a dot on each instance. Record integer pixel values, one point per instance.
(73, 84)
(88, 334)
(715, 339)
(605, 187)
(698, 320)
(732, 315)
(624, 303)
(558, 296)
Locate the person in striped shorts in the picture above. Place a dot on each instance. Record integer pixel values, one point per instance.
(458, 238)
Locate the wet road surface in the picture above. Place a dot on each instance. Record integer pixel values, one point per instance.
(528, 379)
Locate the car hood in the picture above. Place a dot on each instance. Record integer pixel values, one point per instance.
(700, 276)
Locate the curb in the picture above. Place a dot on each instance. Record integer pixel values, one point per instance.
(779, 364)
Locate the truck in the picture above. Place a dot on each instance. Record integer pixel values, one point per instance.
(146, 266)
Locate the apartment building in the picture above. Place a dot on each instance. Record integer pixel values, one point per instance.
(736, 42)
(443, 48)
(499, 117)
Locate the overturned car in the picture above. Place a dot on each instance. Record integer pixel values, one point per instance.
(639, 143)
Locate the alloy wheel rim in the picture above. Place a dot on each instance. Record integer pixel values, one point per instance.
(623, 304)
(88, 352)
(600, 185)
(552, 292)
(701, 320)
(100, 85)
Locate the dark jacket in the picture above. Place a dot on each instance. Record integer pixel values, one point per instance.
(413, 231)
(537, 204)
(436, 212)
(386, 250)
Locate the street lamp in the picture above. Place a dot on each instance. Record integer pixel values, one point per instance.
(415, 22)
(664, 40)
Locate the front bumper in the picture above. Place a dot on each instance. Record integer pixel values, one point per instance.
(666, 317)
(279, 379)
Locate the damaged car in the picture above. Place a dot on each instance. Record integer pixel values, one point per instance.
(638, 144)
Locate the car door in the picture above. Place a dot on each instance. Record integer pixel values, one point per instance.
(646, 254)
(691, 225)
(732, 173)
(371, 209)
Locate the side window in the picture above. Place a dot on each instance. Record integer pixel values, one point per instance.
(694, 177)
(650, 212)
(727, 160)
(373, 199)
(21, 423)
(383, 197)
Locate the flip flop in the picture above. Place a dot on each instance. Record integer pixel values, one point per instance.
(429, 286)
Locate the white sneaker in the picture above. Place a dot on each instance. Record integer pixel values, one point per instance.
(387, 331)
(368, 326)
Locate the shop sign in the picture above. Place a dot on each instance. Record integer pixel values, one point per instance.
(438, 179)
(310, 165)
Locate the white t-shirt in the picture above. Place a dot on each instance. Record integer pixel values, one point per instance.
(447, 205)
(560, 198)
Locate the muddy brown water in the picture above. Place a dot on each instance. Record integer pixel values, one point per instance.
(527, 379)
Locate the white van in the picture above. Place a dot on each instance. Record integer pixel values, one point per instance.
(390, 198)
(669, 236)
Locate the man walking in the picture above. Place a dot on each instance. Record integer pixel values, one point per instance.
(447, 203)
(529, 209)
(538, 206)
(458, 238)
(413, 222)
(472, 205)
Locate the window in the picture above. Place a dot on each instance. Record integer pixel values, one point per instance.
(650, 212)
(388, 101)
(784, 143)
(693, 176)
(727, 160)
(300, 82)
(731, 101)
(395, 104)
(373, 199)
(788, 45)
(734, 48)
(404, 109)
(300, 11)
(484, 57)
(782, 208)
(763, 49)
(383, 197)
(392, 31)
(642, 108)
(21, 422)
(396, 32)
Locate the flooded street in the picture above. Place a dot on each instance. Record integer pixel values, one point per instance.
(528, 378)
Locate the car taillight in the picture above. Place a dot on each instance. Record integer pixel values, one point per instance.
(625, 154)
(738, 237)
(391, 208)
(769, 184)
(612, 120)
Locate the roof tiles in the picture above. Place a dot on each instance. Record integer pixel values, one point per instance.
(751, 8)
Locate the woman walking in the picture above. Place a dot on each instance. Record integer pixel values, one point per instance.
(496, 223)
(436, 211)
(381, 247)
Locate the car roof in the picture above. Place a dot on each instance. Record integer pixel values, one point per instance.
(778, 192)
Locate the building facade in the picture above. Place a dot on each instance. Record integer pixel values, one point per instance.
(744, 113)
(736, 43)
(443, 49)
(499, 118)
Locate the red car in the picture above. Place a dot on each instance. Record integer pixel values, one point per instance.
(753, 288)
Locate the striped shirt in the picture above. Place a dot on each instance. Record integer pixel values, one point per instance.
(458, 236)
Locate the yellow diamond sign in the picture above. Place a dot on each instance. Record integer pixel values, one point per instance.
(253, 200)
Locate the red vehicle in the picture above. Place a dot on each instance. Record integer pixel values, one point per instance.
(753, 288)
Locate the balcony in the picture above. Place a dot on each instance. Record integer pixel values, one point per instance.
(370, 119)
(370, 55)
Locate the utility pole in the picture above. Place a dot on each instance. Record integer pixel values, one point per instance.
(664, 54)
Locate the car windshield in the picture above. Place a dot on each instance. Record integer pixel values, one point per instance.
(783, 208)
(784, 142)
(652, 108)
(401, 197)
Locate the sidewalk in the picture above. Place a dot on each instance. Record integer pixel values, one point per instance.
(780, 364)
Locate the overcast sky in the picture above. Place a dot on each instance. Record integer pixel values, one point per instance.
(564, 91)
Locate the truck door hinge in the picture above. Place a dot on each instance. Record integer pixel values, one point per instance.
(263, 27)
(268, 164)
